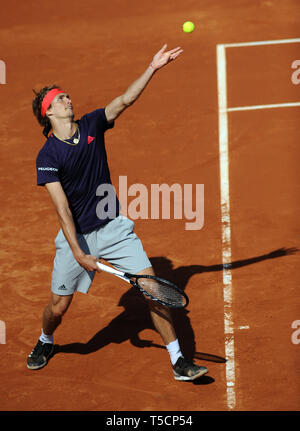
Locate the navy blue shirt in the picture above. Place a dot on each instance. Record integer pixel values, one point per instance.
(81, 169)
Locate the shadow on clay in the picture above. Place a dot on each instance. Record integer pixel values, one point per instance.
(136, 317)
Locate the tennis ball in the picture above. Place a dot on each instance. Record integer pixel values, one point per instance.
(188, 26)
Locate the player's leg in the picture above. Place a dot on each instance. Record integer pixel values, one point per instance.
(54, 312)
(120, 246)
(52, 318)
(183, 369)
(161, 316)
(67, 277)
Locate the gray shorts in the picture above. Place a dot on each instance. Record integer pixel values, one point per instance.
(114, 242)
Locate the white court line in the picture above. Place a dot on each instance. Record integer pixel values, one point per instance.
(253, 107)
(262, 42)
(226, 231)
(225, 203)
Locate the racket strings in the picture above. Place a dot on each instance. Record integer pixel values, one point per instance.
(162, 292)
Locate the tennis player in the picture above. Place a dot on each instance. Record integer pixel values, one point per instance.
(71, 165)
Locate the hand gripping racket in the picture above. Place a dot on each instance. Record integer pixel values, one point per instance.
(155, 288)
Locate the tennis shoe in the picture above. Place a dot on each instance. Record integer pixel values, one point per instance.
(40, 355)
(186, 370)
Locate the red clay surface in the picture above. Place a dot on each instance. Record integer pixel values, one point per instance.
(104, 360)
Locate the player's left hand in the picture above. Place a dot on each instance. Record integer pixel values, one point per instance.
(163, 57)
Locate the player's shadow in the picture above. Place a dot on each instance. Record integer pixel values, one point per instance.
(136, 317)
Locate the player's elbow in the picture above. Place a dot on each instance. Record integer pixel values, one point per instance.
(116, 107)
(127, 100)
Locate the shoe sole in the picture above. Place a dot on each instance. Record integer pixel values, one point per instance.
(37, 367)
(186, 378)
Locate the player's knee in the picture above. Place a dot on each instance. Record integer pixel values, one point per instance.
(57, 311)
(59, 308)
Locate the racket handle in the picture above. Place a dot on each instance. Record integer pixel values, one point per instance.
(110, 270)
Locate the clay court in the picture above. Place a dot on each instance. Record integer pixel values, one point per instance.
(240, 270)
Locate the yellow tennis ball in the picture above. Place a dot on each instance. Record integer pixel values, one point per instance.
(188, 26)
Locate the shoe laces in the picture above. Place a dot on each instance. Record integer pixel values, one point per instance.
(38, 349)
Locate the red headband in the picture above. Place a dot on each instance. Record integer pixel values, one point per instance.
(48, 100)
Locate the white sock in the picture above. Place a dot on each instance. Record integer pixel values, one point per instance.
(174, 351)
(46, 338)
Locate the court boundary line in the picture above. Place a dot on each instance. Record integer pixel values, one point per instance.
(270, 106)
(225, 201)
(260, 43)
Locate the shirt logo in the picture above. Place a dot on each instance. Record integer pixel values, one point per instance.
(90, 139)
(48, 169)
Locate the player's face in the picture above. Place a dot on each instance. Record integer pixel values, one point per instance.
(61, 106)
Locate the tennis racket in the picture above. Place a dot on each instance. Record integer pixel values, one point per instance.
(162, 291)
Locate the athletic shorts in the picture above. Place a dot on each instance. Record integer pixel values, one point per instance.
(114, 242)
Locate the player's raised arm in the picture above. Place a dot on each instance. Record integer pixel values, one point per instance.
(160, 59)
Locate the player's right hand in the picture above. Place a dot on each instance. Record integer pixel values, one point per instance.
(88, 262)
